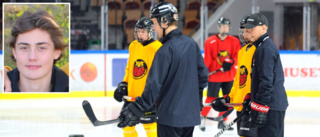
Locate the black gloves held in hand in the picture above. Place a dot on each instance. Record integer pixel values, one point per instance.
(218, 104)
(121, 90)
(130, 115)
(227, 64)
(258, 114)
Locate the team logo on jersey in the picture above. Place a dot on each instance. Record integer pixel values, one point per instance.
(139, 69)
(222, 55)
(243, 76)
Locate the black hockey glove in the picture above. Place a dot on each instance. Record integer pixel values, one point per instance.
(258, 115)
(130, 115)
(218, 104)
(246, 104)
(227, 64)
(121, 91)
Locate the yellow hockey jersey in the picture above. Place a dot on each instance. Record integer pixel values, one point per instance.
(138, 66)
(242, 82)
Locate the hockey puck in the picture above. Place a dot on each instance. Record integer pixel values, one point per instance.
(76, 135)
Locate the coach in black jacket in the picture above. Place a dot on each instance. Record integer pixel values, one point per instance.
(268, 95)
(175, 81)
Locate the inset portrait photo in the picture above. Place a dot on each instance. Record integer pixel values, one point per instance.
(36, 47)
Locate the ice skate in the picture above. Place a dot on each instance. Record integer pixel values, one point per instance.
(203, 124)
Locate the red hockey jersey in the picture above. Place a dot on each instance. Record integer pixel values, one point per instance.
(215, 51)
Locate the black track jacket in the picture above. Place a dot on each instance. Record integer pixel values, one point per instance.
(267, 75)
(175, 77)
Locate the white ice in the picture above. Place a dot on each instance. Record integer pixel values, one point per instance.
(63, 117)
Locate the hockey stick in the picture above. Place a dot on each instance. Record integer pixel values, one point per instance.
(221, 69)
(92, 117)
(229, 125)
(129, 98)
(90, 114)
(227, 60)
(228, 112)
(233, 104)
(227, 104)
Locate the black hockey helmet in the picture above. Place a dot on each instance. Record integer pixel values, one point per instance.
(143, 23)
(224, 20)
(164, 12)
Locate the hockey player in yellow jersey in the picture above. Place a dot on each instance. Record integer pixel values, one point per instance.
(241, 87)
(141, 54)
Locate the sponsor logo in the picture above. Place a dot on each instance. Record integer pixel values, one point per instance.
(139, 69)
(260, 108)
(145, 119)
(302, 72)
(244, 128)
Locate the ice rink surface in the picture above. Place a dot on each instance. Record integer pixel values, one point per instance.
(65, 116)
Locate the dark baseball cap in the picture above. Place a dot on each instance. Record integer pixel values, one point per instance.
(252, 20)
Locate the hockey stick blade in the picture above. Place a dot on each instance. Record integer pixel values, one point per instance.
(90, 114)
(229, 125)
(228, 112)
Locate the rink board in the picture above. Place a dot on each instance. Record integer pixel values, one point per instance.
(97, 73)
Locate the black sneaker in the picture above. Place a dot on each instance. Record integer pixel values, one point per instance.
(222, 124)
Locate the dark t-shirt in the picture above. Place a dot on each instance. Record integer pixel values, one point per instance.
(59, 80)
